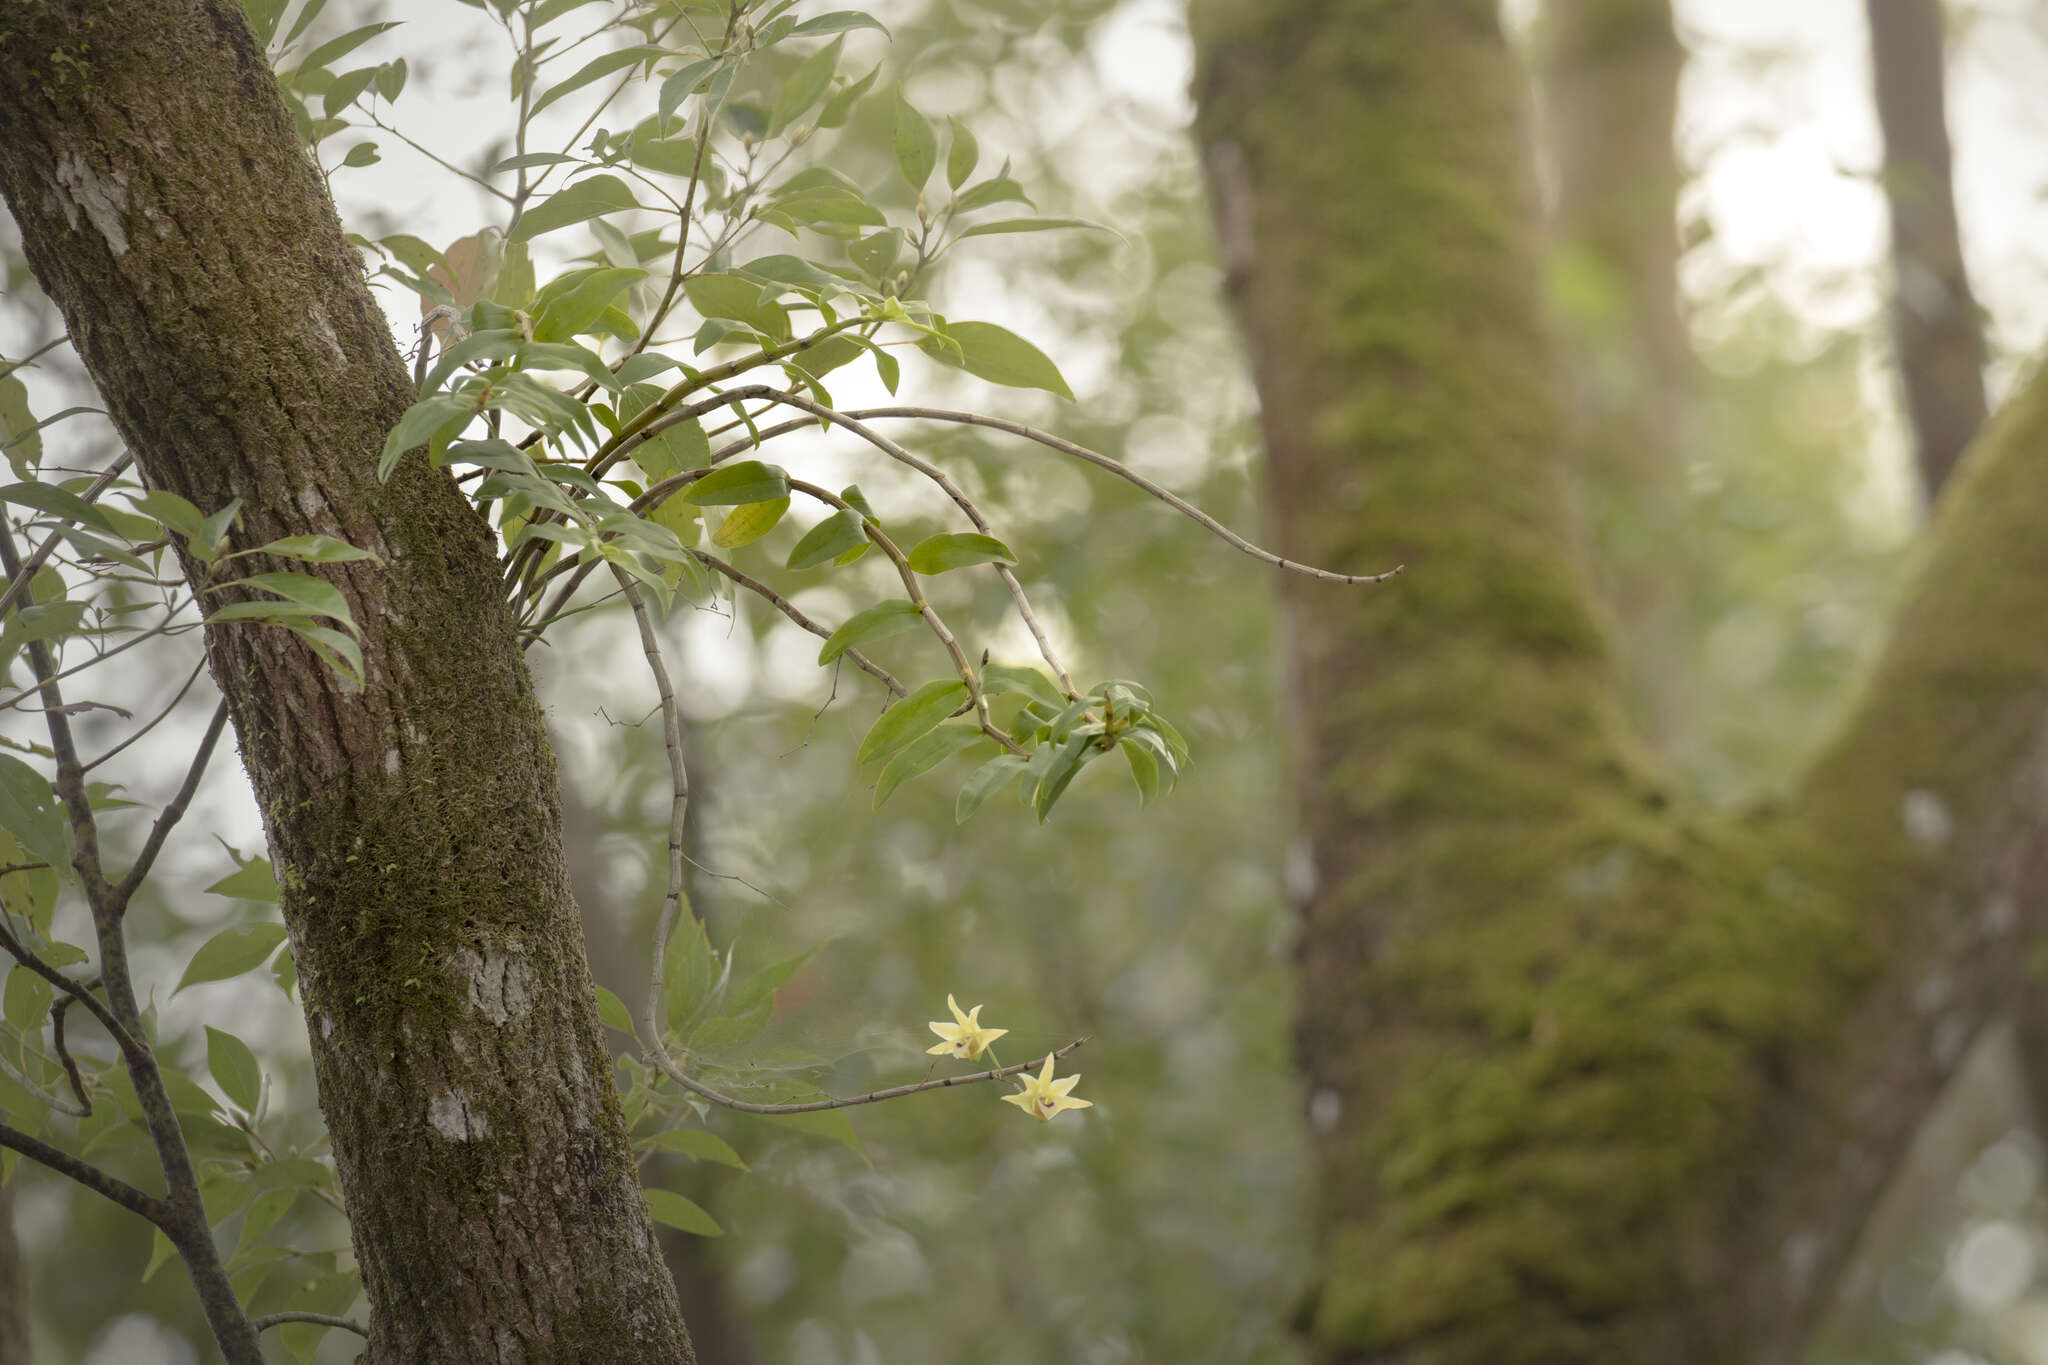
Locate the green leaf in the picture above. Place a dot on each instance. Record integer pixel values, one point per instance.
(990, 778)
(234, 950)
(742, 481)
(30, 812)
(586, 199)
(996, 679)
(962, 155)
(999, 356)
(336, 650)
(956, 550)
(911, 717)
(254, 880)
(612, 1011)
(576, 302)
(699, 1145)
(1000, 190)
(26, 1000)
(391, 79)
(337, 48)
(1066, 762)
(921, 756)
(47, 497)
(874, 623)
(316, 594)
(234, 1069)
(431, 422)
(748, 522)
(671, 1208)
(829, 539)
(596, 69)
(1144, 771)
(19, 434)
(805, 86)
(840, 21)
(315, 550)
(682, 83)
(917, 150)
(1029, 225)
(729, 295)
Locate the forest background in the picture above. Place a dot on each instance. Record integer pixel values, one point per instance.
(1173, 1220)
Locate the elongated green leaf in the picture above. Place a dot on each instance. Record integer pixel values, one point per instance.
(585, 199)
(962, 155)
(19, 435)
(1067, 761)
(1000, 190)
(997, 679)
(431, 422)
(1029, 225)
(1144, 771)
(999, 356)
(840, 21)
(337, 48)
(47, 497)
(957, 550)
(748, 522)
(990, 778)
(829, 539)
(743, 481)
(911, 717)
(315, 550)
(234, 950)
(917, 149)
(682, 83)
(577, 302)
(26, 999)
(883, 619)
(922, 755)
(734, 296)
(596, 69)
(234, 1069)
(699, 1145)
(805, 86)
(671, 1208)
(317, 593)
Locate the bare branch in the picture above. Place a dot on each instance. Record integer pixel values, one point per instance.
(18, 584)
(894, 1092)
(159, 718)
(1130, 476)
(172, 813)
(270, 1320)
(92, 1177)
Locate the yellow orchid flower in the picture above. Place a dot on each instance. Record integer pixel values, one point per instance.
(1042, 1096)
(965, 1037)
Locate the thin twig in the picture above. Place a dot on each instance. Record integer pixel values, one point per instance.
(174, 812)
(193, 677)
(893, 1092)
(270, 1320)
(1128, 475)
(92, 1177)
(18, 584)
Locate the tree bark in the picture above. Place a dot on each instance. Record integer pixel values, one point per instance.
(1592, 1076)
(1934, 317)
(13, 1285)
(1610, 71)
(167, 208)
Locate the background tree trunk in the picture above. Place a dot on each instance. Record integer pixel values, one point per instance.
(1934, 317)
(1609, 80)
(169, 211)
(1592, 1076)
(13, 1285)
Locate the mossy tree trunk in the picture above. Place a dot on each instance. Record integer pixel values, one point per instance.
(1592, 1076)
(167, 208)
(1609, 84)
(1940, 349)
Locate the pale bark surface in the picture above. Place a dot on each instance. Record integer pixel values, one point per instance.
(1934, 317)
(1592, 1076)
(167, 208)
(1609, 84)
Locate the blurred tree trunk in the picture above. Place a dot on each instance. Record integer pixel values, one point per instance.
(13, 1285)
(1609, 81)
(1940, 351)
(168, 209)
(1592, 1076)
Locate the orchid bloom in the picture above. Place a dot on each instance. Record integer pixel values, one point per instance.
(1042, 1096)
(965, 1037)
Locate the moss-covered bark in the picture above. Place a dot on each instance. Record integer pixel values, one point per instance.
(167, 208)
(1593, 1076)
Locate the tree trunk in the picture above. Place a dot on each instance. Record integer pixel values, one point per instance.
(13, 1285)
(1592, 1076)
(1934, 318)
(167, 208)
(1610, 71)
